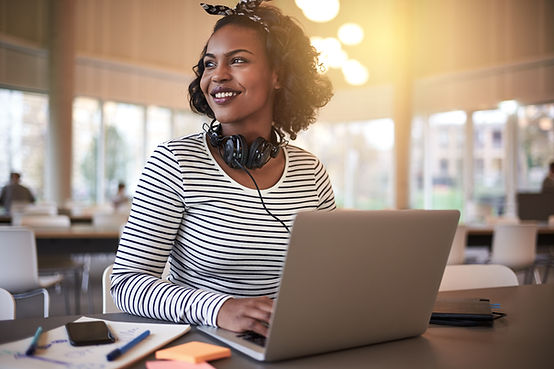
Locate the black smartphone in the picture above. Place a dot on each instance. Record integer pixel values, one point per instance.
(89, 333)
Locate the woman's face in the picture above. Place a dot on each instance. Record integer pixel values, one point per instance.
(238, 82)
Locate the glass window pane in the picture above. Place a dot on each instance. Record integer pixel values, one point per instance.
(446, 157)
(23, 123)
(417, 199)
(158, 127)
(359, 159)
(86, 136)
(489, 189)
(123, 146)
(536, 145)
(186, 123)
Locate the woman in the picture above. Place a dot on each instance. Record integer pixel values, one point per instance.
(218, 205)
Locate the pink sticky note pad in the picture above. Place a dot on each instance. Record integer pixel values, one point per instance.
(173, 364)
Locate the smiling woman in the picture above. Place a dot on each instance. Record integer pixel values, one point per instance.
(217, 205)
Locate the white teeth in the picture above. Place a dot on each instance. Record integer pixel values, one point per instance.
(220, 95)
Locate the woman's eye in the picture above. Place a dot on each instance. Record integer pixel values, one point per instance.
(208, 64)
(238, 60)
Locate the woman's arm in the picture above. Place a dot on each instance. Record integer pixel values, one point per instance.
(146, 242)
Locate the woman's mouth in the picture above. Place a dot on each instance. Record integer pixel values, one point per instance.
(223, 97)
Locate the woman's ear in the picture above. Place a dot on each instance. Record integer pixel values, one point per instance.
(275, 79)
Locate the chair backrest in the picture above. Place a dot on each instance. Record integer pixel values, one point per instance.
(38, 221)
(18, 261)
(110, 220)
(458, 249)
(471, 276)
(108, 306)
(514, 245)
(7, 305)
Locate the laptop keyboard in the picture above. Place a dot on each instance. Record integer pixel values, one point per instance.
(253, 337)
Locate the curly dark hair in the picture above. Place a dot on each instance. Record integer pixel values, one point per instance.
(303, 90)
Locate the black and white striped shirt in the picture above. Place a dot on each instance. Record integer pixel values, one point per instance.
(219, 239)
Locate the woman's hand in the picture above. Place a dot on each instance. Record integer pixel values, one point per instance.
(246, 314)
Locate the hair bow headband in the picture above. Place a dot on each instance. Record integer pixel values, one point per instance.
(244, 7)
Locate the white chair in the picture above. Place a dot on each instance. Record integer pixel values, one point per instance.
(472, 276)
(515, 245)
(48, 265)
(7, 305)
(457, 251)
(108, 306)
(19, 267)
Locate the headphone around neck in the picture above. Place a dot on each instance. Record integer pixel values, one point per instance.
(234, 150)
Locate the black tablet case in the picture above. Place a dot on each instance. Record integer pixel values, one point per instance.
(462, 312)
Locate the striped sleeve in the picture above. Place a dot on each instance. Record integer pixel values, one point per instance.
(145, 245)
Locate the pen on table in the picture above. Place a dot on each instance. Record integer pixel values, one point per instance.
(119, 351)
(34, 342)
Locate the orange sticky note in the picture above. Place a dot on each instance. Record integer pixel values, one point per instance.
(194, 352)
(173, 364)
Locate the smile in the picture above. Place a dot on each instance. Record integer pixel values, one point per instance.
(221, 95)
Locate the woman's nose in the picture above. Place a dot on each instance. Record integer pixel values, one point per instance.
(221, 73)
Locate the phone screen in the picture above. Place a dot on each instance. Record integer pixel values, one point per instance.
(89, 333)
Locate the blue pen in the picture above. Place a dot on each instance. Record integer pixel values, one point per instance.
(120, 351)
(34, 342)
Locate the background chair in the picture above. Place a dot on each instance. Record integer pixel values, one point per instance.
(471, 276)
(515, 245)
(72, 269)
(7, 305)
(108, 306)
(19, 269)
(457, 251)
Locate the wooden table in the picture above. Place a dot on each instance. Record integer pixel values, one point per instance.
(76, 239)
(481, 234)
(522, 339)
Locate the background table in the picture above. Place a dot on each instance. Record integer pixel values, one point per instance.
(522, 339)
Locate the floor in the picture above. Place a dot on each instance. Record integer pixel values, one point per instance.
(91, 301)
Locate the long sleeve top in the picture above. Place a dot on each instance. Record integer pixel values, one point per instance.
(215, 233)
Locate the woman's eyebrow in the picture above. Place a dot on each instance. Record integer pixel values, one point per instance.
(230, 53)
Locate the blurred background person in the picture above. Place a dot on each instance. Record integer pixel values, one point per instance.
(548, 182)
(15, 193)
(121, 201)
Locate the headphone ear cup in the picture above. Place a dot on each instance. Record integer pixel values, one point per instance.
(235, 151)
(258, 154)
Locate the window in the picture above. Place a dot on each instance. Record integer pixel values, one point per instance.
(112, 141)
(23, 123)
(489, 191)
(417, 164)
(446, 176)
(186, 123)
(359, 159)
(440, 178)
(158, 127)
(86, 146)
(536, 145)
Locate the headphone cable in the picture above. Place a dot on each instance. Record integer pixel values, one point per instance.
(260, 195)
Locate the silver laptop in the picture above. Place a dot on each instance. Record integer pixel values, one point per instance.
(353, 278)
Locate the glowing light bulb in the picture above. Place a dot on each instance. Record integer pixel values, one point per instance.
(330, 51)
(354, 72)
(319, 10)
(351, 34)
